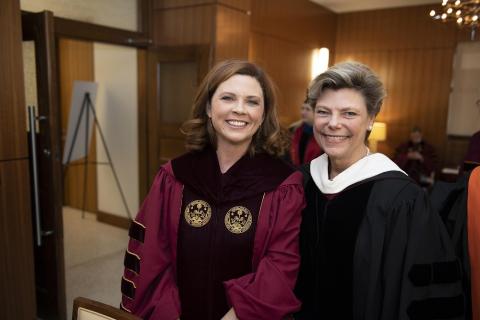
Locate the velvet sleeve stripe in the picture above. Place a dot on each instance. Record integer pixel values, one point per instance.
(435, 273)
(137, 231)
(128, 288)
(122, 307)
(132, 262)
(436, 308)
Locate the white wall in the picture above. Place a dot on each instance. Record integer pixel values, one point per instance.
(115, 70)
(113, 13)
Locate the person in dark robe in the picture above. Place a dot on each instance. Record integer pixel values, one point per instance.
(417, 158)
(472, 157)
(217, 235)
(371, 246)
(304, 148)
(458, 204)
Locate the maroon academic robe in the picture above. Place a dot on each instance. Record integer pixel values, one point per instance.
(149, 286)
(312, 149)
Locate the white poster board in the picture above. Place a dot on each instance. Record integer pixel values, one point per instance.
(463, 107)
(75, 144)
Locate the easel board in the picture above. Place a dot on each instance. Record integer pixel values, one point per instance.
(77, 147)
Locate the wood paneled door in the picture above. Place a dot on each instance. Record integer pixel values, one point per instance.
(17, 290)
(173, 75)
(47, 180)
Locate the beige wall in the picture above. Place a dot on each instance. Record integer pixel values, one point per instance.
(113, 13)
(117, 103)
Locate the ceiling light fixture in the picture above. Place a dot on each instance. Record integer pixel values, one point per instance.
(464, 13)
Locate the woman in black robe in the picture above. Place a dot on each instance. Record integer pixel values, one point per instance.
(371, 246)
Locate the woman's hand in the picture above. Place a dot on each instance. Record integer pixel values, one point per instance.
(230, 315)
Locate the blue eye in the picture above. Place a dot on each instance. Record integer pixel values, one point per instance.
(321, 112)
(350, 114)
(253, 102)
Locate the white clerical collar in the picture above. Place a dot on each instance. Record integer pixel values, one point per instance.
(367, 167)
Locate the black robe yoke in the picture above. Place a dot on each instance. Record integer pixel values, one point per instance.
(404, 266)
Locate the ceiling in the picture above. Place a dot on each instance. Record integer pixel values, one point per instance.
(340, 6)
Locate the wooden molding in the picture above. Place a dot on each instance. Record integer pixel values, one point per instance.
(88, 31)
(113, 220)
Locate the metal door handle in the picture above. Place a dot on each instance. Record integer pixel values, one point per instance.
(33, 141)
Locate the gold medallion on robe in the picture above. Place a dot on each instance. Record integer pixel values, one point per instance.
(238, 219)
(197, 213)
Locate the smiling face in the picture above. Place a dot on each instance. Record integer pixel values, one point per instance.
(236, 110)
(340, 125)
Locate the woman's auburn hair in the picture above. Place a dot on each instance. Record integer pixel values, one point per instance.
(199, 131)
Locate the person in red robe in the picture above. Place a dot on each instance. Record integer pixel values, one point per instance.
(304, 148)
(217, 235)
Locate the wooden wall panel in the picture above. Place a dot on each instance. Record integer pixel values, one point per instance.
(17, 283)
(76, 63)
(300, 21)
(283, 35)
(244, 5)
(289, 67)
(184, 25)
(392, 29)
(13, 141)
(167, 4)
(232, 34)
(413, 55)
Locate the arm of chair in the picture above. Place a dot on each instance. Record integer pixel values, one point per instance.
(86, 309)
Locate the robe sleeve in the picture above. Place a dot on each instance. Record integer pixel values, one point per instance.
(421, 277)
(148, 284)
(267, 293)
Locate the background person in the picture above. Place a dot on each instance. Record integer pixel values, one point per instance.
(473, 153)
(417, 158)
(217, 236)
(304, 148)
(371, 247)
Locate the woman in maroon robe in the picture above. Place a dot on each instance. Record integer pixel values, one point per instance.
(217, 235)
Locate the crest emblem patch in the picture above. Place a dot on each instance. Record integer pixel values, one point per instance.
(238, 219)
(198, 213)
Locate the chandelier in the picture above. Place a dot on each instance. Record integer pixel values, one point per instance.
(465, 13)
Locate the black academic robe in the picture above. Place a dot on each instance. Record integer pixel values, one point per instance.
(376, 251)
(450, 201)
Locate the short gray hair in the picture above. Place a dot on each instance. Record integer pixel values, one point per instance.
(350, 75)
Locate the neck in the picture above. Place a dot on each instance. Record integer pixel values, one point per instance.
(227, 155)
(337, 166)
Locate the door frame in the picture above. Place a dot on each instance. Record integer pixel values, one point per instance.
(49, 257)
(45, 29)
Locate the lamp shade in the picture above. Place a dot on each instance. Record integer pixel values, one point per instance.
(379, 132)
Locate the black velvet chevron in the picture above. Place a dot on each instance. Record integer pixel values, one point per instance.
(132, 262)
(435, 273)
(128, 289)
(137, 231)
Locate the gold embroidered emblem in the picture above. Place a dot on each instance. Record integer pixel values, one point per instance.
(197, 213)
(238, 220)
